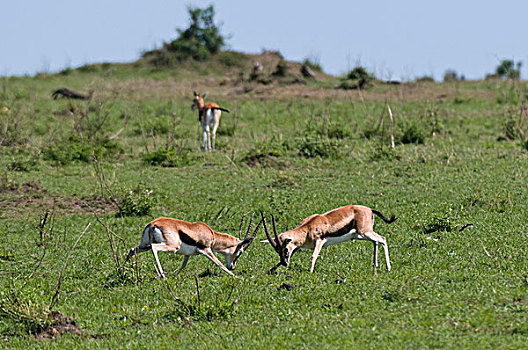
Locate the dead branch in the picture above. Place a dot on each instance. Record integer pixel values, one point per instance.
(55, 298)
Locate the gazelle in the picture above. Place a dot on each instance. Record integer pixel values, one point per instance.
(209, 116)
(192, 238)
(319, 230)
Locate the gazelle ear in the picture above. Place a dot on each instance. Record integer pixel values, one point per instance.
(195, 94)
(203, 96)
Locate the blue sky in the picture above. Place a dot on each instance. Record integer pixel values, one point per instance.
(401, 39)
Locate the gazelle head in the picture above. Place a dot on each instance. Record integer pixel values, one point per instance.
(198, 101)
(237, 250)
(280, 243)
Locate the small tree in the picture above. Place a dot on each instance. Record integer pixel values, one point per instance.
(201, 39)
(506, 69)
(451, 75)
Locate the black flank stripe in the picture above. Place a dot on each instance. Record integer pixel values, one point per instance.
(185, 238)
(343, 231)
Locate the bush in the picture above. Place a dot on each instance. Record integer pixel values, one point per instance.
(22, 160)
(313, 63)
(318, 148)
(425, 79)
(357, 78)
(413, 132)
(136, 202)
(451, 75)
(66, 71)
(281, 70)
(263, 150)
(201, 39)
(170, 156)
(506, 69)
(75, 149)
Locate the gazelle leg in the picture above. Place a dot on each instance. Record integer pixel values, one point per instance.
(155, 248)
(209, 254)
(318, 245)
(184, 263)
(214, 134)
(208, 133)
(204, 138)
(375, 263)
(374, 237)
(215, 126)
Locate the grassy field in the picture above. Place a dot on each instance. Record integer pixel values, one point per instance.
(290, 149)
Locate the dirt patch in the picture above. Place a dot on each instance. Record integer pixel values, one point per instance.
(61, 325)
(32, 197)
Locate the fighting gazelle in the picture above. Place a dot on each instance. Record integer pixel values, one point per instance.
(209, 116)
(319, 230)
(192, 238)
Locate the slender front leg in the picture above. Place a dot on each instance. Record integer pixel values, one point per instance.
(209, 255)
(375, 263)
(204, 138)
(184, 263)
(318, 245)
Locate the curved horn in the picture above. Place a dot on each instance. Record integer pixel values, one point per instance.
(249, 227)
(270, 240)
(240, 228)
(275, 229)
(252, 238)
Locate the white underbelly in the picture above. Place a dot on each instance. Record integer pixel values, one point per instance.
(340, 239)
(186, 249)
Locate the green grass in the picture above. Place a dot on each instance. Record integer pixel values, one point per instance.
(447, 289)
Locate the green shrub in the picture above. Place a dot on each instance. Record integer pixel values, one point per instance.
(66, 71)
(310, 147)
(425, 79)
(201, 39)
(136, 201)
(506, 69)
(282, 69)
(357, 78)
(264, 149)
(313, 63)
(22, 162)
(75, 149)
(413, 132)
(170, 156)
(384, 153)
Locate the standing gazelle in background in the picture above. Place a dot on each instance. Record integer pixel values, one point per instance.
(192, 238)
(336, 226)
(209, 117)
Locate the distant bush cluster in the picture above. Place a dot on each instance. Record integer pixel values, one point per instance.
(199, 41)
(357, 78)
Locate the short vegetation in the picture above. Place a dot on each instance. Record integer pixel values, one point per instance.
(79, 180)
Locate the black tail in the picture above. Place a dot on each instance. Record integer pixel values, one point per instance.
(222, 109)
(388, 221)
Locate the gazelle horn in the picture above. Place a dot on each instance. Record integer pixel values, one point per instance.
(249, 227)
(270, 240)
